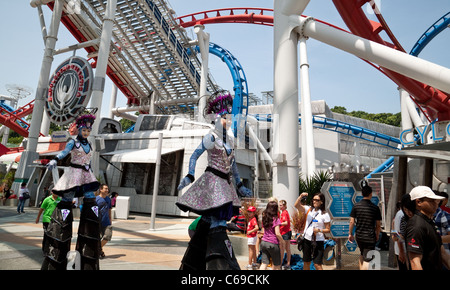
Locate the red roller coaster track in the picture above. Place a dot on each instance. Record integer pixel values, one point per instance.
(358, 23)
(437, 102)
(12, 119)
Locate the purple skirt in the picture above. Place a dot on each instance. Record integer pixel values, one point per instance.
(210, 195)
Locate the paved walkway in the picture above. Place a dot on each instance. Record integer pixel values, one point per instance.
(133, 245)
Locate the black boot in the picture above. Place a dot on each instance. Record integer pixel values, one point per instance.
(194, 257)
(58, 237)
(88, 242)
(219, 252)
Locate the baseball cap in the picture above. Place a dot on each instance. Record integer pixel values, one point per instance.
(251, 208)
(423, 191)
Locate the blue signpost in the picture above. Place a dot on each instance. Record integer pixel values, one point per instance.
(339, 229)
(351, 246)
(341, 199)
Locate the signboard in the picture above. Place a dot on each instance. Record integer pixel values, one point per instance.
(339, 228)
(351, 246)
(60, 136)
(340, 198)
(69, 90)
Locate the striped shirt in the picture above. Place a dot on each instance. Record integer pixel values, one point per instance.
(442, 221)
(366, 214)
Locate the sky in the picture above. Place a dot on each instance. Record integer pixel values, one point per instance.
(337, 77)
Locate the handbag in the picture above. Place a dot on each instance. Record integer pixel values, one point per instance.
(301, 238)
(25, 195)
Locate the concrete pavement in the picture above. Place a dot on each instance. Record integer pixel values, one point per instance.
(134, 246)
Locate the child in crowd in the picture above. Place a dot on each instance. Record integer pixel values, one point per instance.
(270, 244)
(286, 234)
(252, 230)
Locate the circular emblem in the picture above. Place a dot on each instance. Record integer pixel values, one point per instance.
(69, 90)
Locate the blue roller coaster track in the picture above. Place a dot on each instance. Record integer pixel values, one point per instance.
(346, 129)
(354, 131)
(430, 33)
(11, 109)
(240, 87)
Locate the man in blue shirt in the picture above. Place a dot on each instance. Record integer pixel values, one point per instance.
(104, 208)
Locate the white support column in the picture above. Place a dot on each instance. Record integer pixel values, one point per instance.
(23, 171)
(406, 118)
(203, 44)
(98, 87)
(308, 152)
(45, 126)
(112, 101)
(285, 103)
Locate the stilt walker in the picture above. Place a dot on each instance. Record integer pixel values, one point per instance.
(78, 181)
(213, 195)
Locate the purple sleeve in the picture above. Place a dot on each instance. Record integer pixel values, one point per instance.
(276, 222)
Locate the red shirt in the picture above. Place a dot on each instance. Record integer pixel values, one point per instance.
(285, 217)
(251, 225)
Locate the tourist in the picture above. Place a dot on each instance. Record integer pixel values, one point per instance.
(271, 240)
(442, 220)
(24, 194)
(424, 244)
(47, 207)
(104, 209)
(286, 234)
(252, 230)
(317, 223)
(367, 217)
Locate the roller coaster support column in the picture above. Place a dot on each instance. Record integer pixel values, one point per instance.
(98, 87)
(203, 44)
(112, 101)
(308, 151)
(23, 171)
(285, 104)
(406, 118)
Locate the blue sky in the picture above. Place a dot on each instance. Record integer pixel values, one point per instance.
(337, 77)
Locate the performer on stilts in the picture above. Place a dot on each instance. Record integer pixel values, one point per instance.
(213, 195)
(78, 181)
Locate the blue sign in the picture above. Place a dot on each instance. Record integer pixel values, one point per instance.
(341, 199)
(339, 229)
(351, 246)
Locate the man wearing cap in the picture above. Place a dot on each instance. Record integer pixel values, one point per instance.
(424, 245)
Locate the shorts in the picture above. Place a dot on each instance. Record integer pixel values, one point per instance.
(251, 241)
(313, 251)
(287, 236)
(106, 233)
(269, 250)
(365, 248)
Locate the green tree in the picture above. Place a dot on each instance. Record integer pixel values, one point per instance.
(384, 118)
(313, 184)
